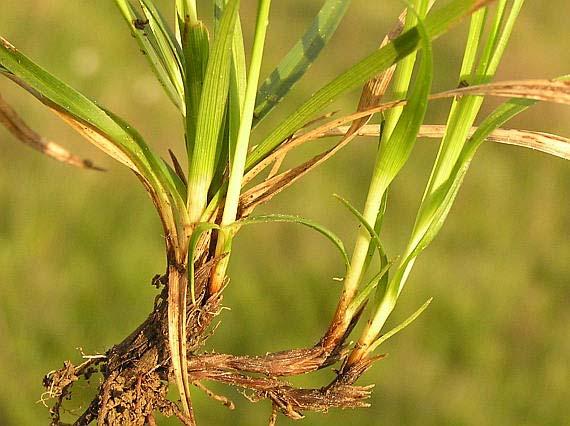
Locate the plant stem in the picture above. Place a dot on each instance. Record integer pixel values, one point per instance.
(376, 190)
(462, 116)
(242, 143)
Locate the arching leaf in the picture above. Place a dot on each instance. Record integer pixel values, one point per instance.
(294, 219)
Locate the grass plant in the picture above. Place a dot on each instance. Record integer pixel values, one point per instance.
(220, 101)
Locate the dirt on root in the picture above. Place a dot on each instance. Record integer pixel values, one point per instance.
(136, 372)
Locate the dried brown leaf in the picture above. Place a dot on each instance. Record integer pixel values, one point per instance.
(92, 135)
(548, 143)
(542, 90)
(21, 131)
(276, 165)
(556, 91)
(97, 139)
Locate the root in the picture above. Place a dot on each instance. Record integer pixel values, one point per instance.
(136, 372)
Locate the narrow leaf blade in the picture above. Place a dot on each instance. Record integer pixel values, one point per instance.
(169, 49)
(367, 290)
(74, 105)
(211, 114)
(437, 23)
(298, 60)
(400, 326)
(196, 52)
(397, 149)
(375, 239)
(295, 219)
(150, 47)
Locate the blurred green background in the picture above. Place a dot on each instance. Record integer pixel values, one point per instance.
(78, 249)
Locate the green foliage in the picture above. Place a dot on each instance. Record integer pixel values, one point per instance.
(358, 74)
(376, 243)
(294, 65)
(220, 104)
(196, 52)
(211, 114)
(159, 46)
(392, 156)
(295, 219)
(105, 130)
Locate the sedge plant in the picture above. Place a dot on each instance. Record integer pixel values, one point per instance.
(221, 99)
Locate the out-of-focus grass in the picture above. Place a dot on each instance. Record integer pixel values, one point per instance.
(78, 249)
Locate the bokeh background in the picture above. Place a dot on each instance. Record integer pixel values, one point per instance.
(78, 249)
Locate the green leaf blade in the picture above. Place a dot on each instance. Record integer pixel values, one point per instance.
(392, 156)
(169, 49)
(211, 114)
(374, 238)
(238, 79)
(375, 282)
(101, 127)
(298, 60)
(438, 204)
(400, 326)
(58, 95)
(295, 219)
(397, 149)
(238, 83)
(151, 47)
(437, 23)
(196, 52)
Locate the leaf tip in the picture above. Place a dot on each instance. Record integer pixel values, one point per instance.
(7, 44)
